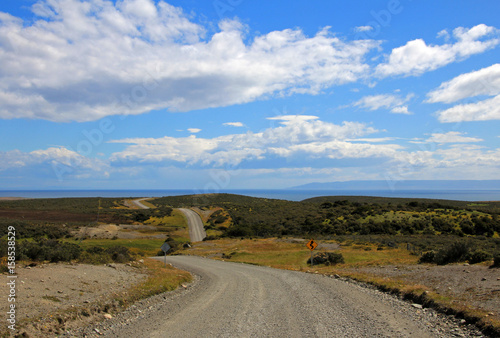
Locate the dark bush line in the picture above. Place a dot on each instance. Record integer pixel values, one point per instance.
(30, 230)
(457, 252)
(57, 251)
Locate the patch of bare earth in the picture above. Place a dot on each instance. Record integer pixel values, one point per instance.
(121, 231)
(49, 295)
(476, 285)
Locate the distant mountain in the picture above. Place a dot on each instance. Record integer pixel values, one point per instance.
(404, 185)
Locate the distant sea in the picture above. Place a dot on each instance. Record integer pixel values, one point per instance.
(291, 195)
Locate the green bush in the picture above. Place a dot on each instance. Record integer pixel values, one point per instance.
(327, 258)
(457, 252)
(94, 258)
(427, 257)
(496, 261)
(119, 254)
(478, 256)
(47, 250)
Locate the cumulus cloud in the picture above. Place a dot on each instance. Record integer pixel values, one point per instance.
(482, 82)
(479, 111)
(417, 57)
(83, 60)
(295, 135)
(57, 162)
(394, 103)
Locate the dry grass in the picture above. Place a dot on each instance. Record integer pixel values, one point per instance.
(160, 279)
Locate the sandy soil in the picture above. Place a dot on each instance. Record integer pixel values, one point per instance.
(475, 284)
(45, 290)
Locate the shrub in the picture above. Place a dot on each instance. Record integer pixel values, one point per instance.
(427, 257)
(119, 254)
(94, 258)
(47, 250)
(457, 252)
(478, 256)
(327, 258)
(496, 261)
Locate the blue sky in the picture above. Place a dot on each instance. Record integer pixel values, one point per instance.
(228, 94)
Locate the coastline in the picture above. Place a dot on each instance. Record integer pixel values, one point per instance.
(284, 194)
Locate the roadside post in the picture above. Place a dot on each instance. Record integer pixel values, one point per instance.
(165, 247)
(312, 245)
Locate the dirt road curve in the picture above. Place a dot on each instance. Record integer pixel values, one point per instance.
(196, 229)
(238, 300)
(138, 203)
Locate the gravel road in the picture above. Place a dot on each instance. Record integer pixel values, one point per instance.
(196, 229)
(138, 203)
(238, 300)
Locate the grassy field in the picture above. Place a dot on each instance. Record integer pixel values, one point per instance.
(143, 247)
(287, 254)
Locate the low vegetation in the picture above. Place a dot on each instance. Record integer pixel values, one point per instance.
(369, 232)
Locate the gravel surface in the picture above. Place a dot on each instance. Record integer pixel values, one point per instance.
(196, 228)
(476, 285)
(47, 289)
(239, 300)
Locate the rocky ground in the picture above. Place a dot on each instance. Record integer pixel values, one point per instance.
(476, 285)
(48, 291)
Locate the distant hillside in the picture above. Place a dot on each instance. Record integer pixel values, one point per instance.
(404, 185)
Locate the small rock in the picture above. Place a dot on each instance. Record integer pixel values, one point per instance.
(141, 261)
(337, 276)
(184, 286)
(466, 264)
(483, 279)
(86, 301)
(59, 291)
(112, 266)
(108, 316)
(97, 330)
(418, 306)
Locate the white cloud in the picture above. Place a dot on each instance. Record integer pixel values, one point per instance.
(401, 110)
(417, 57)
(363, 28)
(56, 162)
(233, 124)
(482, 82)
(296, 135)
(386, 101)
(194, 130)
(480, 111)
(83, 60)
(452, 137)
